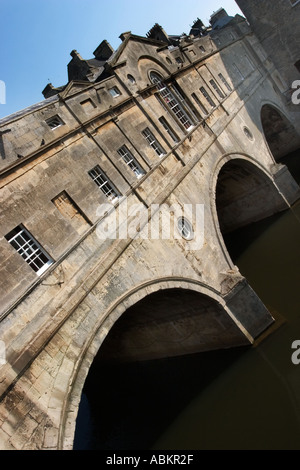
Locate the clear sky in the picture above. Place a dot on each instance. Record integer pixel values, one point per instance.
(37, 36)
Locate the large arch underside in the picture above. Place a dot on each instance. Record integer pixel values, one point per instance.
(167, 323)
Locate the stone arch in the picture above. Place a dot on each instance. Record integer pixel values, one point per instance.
(239, 336)
(147, 64)
(280, 134)
(252, 195)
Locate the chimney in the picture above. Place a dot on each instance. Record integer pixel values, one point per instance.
(104, 51)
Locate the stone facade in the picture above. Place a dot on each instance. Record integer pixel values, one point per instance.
(276, 25)
(161, 122)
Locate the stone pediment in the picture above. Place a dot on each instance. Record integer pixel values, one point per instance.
(74, 87)
(126, 48)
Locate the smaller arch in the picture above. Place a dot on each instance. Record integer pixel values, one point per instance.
(147, 63)
(245, 194)
(277, 202)
(280, 134)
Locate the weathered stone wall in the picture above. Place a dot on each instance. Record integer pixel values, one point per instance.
(53, 325)
(276, 25)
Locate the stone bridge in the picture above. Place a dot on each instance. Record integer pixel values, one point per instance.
(171, 133)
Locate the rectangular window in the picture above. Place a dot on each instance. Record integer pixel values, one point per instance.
(153, 142)
(224, 81)
(69, 209)
(207, 97)
(249, 62)
(170, 101)
(130, 161)
(54, 122)
(201, 106)
(166, 126)
(101, 180)
(114, 92)
(24, 243)
(217, 89)
(238, 72)
(185, 103)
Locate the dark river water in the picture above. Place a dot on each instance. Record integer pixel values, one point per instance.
(243, 398)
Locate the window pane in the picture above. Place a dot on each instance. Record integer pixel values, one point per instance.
(207, 97)
(130, 161)
(171, 101)
(168, 129)
(99, 177)
(21, 240)
(217, 89)
(153, 142)
(225, 82)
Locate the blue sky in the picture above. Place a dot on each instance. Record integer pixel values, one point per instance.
(37, 36)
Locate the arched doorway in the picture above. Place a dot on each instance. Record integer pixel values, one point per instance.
(282, 138)
(149, 366)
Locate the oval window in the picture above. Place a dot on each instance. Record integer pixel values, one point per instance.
(131, 78)
(185, 228)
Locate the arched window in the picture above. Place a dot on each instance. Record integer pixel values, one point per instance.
(173, 100)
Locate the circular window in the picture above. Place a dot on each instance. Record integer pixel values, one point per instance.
(185, 228)
(248, 133)
(131, 78)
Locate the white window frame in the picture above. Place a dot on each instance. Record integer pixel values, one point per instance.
(114, 92)
(30, 250)
(104, 183)
(130, 161)
(153, 142)
(54, 122)
(171, 101)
